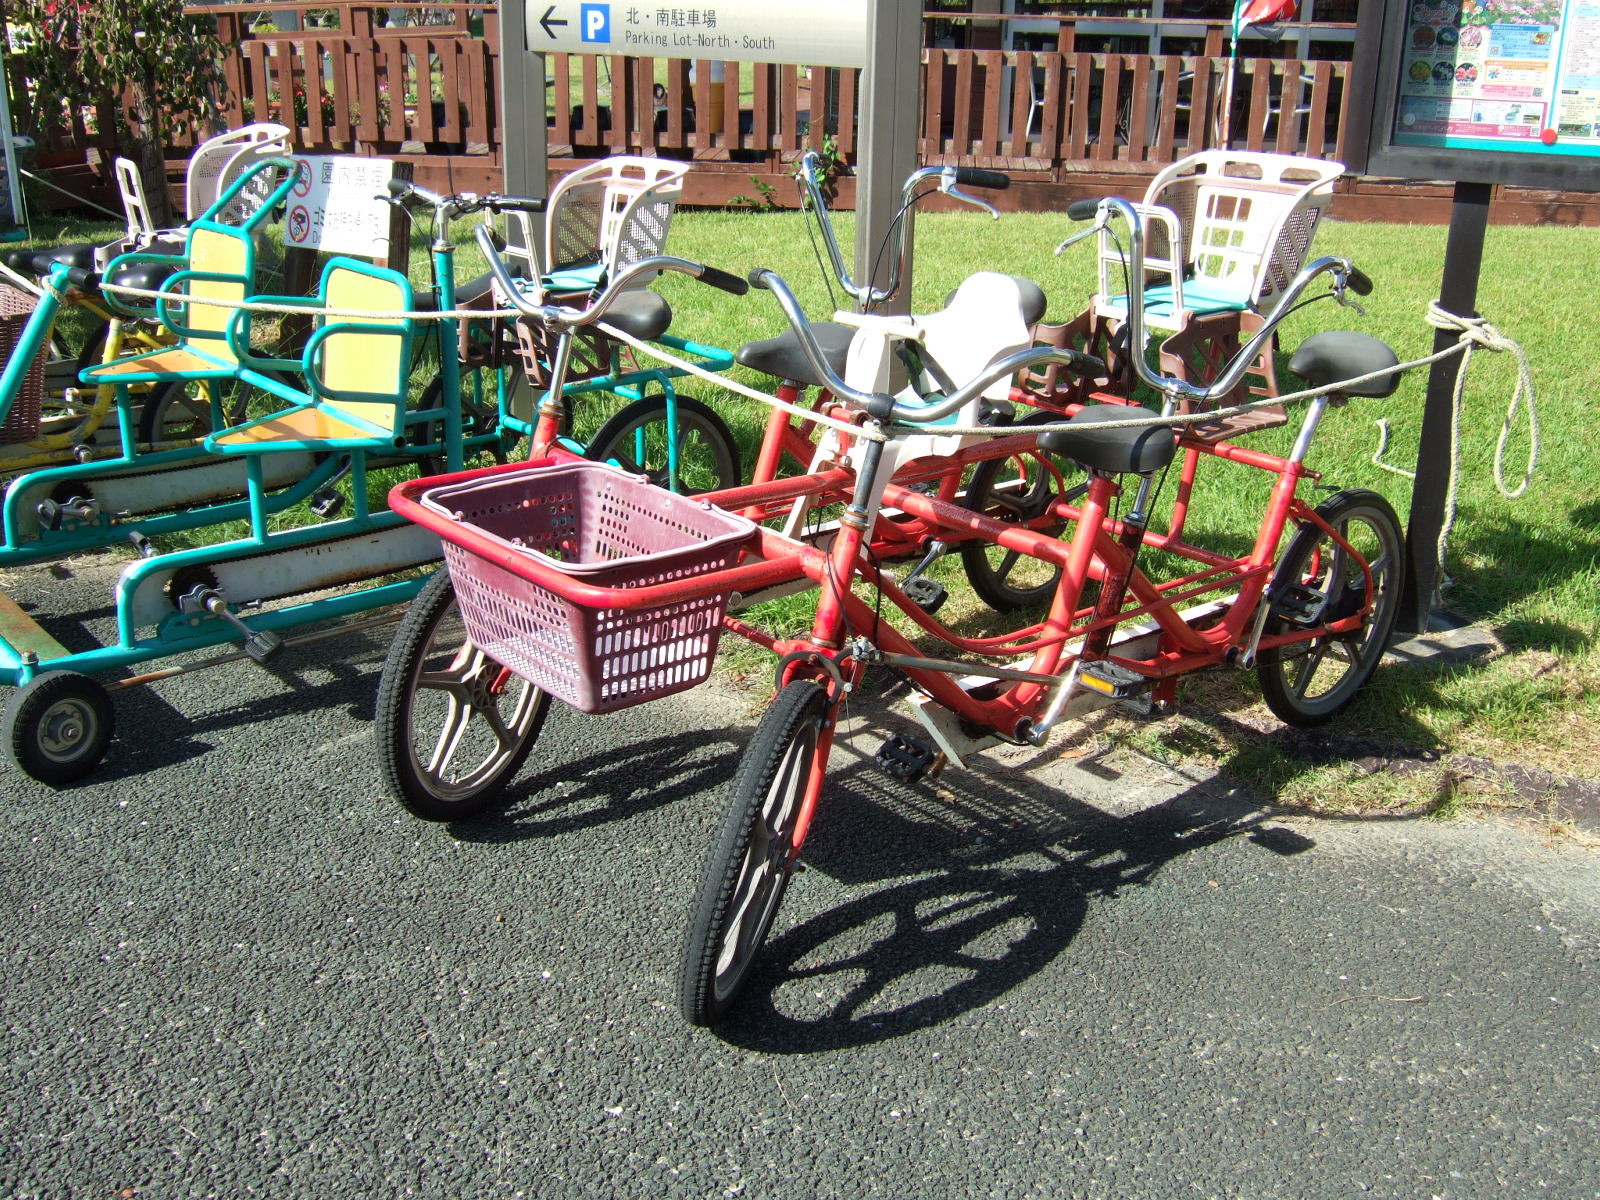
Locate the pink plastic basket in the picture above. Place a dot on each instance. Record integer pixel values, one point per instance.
(604, 527)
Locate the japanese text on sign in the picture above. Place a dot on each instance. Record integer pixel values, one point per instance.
(334, 206)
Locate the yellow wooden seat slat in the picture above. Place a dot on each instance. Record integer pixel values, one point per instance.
(176, 360)
(295, 424)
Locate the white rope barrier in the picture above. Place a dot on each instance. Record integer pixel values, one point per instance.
(733, 385)
(1475, 333)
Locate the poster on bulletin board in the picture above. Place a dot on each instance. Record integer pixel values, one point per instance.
(334, 206)
(1495, 91)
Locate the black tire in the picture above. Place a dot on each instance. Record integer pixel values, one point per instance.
(1017, 489)
(436, 683)
(707, 456)
(476, 419)
(748, 869)
(180, 410)
(1307, 683)
(58, 726)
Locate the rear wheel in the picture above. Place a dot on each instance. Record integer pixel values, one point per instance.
(453, 726)
(1319, 582)
(179, 411)
(636, 439)
(754, 854)
(1018, 490)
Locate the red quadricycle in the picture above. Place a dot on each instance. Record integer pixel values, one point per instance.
(579, 582)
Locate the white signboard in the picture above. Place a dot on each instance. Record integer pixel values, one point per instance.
(334, 206)
(819, 33)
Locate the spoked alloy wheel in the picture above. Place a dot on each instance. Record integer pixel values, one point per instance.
(452, 725)
(1307, 683)
(1016, 490)
(753, 856)
(58, 726)
(636, 439)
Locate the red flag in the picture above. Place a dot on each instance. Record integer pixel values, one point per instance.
(1264, 12)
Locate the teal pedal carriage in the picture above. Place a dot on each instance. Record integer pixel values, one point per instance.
(292, 474)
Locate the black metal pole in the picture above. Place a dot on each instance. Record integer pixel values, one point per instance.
(1458, 293)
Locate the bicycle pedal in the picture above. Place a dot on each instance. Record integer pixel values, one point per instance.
(927, 594)
(1114, 680)
(263, 646)
(1299, 604)
(142, 544)
(905, 757)
(325, 502)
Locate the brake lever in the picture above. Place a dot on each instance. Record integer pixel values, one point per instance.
(947, 185)
(1341, 293)
(1078, 237)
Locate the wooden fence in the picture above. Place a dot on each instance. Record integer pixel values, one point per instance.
(427, 94)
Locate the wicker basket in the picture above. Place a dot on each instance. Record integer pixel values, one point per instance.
(23, 414)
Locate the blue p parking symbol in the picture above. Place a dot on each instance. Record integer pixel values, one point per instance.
(596, 22)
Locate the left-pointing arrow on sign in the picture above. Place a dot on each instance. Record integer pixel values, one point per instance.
(548, 20)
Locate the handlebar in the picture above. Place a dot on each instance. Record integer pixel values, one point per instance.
(951, 180)
(1345, 275)
(883, 407)
(402, 191)
(556, 315)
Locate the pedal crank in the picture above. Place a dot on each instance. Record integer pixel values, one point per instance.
(261, 645)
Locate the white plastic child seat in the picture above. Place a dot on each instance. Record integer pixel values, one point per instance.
(218, 162)
(604, 217)
(982, 323)
(1227, 229)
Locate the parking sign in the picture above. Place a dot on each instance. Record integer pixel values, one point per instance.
(596, 19)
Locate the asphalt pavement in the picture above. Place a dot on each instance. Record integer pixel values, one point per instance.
(233, 968)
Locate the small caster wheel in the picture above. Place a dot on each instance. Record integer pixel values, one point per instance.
(58, 726)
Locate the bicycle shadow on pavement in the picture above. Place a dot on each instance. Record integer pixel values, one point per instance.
(991, 875)
(623, 778)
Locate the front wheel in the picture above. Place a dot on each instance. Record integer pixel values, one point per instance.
(704, 458)
(453, 726)
(58, 726)
(1320, 582)
(754, 854)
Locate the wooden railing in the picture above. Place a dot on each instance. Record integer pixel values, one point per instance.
(1056, 111)
(428, 94)
(423, 91)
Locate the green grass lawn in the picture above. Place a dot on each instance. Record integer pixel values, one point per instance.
(1529, 570)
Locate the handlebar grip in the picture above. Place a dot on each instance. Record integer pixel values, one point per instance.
(977, 177)
(399, 187)
(729, 283)
(527, 204)
(1088, 366)
(1359, 282)
(1083, 210)
(83, 278)
(758, 277)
